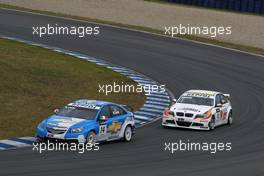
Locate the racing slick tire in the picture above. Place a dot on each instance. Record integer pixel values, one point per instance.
(40, 140)
(165, 127)
(230, 119)
(211, 124)
(91, 137)
(128, 133)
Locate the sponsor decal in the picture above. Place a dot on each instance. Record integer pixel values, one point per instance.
(85, 105)
(223, 115)
(114, 127)
(63, 120)
(199, 94)
(189, 109)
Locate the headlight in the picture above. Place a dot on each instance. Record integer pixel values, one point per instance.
(200, 116)
(167, 113)
(77, 130)
(206, 115)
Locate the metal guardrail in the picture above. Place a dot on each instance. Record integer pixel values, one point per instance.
(248, 6)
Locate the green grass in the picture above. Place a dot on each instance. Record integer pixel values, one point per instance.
(35, 81)
(250, 49)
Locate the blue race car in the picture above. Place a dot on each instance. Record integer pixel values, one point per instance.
(88, 121)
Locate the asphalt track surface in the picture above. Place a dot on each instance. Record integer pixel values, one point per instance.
(181, 65)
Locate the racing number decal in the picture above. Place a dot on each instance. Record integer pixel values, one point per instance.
(102, 130)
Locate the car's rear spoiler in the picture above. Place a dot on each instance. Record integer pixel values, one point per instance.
(227, 96)
(128, 108)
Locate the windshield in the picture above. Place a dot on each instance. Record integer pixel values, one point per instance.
(78, 112)
(196, 100)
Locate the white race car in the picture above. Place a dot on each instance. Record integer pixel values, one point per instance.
(199, 109)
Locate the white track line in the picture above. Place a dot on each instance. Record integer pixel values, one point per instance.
(142, 117)
(150, 110)
(147, 113)
(28, 138)
(158, 103)
(14, 143)
(158, 99)
(160, 96)
(154, 106)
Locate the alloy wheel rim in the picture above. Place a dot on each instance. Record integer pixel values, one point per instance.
(91, 138)
(128, 134)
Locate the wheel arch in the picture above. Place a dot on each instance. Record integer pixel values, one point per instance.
(90, 130)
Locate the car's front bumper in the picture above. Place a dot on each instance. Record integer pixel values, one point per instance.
(43, 134)
(185, 123)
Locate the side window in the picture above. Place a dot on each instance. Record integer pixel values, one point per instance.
(105, 112)
(116, 111)
(223, 98)
(217, 99)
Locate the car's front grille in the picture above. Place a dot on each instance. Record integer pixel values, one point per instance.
(53, 140)
(186, 124)
(188, 115)
(180, 114)
(170, 121)
(197, 124)
(55, 131)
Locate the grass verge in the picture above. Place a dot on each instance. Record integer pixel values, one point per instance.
(147, 29)
(35, 81)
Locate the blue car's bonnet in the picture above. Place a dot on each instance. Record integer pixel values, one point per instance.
(65, 122)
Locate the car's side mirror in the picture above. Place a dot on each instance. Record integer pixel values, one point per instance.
(56, 111)
(102, 119)
(219, 105)
(223, 101)
(174, 101)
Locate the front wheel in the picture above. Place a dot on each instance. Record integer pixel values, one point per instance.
(128, 134)
(212, 124)
(91, 137)
(40, 140)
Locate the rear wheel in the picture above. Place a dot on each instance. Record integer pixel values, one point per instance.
(212, 124)
(128, 134)
(230, 119)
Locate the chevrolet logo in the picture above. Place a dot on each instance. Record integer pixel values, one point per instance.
(114, 127)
